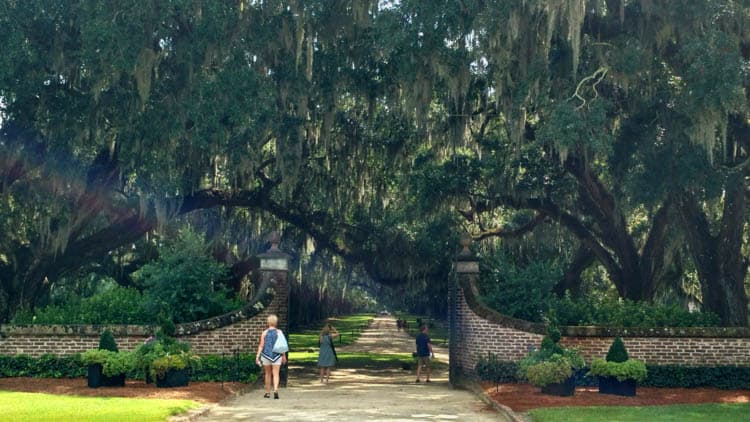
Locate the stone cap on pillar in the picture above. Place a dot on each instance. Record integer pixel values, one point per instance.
(465, 261)
(274, 258)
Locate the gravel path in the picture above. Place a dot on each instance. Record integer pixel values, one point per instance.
(358, 394)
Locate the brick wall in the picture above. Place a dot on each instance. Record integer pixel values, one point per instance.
(481, 330)
(223, 334)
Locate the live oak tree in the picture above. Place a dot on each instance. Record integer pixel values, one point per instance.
(119, 117)
(375, 127)
(609, 119)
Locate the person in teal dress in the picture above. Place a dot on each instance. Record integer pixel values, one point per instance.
(327, 357)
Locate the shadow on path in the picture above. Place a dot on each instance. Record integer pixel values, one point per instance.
(356, 394)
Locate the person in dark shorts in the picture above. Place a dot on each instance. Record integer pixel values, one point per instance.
(424, 353)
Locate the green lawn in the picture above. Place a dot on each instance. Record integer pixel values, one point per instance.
(676, 413)
(48, 407)
(360, 360)
(349, 326)
(439, 331)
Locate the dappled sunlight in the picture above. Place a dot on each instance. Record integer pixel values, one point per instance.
(740, 398)
(363, 390)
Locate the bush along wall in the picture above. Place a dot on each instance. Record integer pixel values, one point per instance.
(724, 377)
(230, 367)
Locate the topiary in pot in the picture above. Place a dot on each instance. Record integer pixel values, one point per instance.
(107, 368)
(107, 342)
(617, 351)
(618, 374)
(551, 367)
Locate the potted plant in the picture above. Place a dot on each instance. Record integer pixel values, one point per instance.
(618, 374)
(552, 366)
(144, 355)
(165, 360)
(172, 370)
(106, 366)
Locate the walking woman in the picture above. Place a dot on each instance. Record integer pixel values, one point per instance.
(270, 360)
(327, 357)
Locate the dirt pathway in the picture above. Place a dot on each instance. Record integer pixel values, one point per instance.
(358, 394)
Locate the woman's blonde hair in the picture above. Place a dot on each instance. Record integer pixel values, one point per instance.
(326, 330)
(273, 320)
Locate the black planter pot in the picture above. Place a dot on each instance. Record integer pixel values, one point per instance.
(610, 385)
(173, 378)
(565, 389)
(147, 375)
(96, 378)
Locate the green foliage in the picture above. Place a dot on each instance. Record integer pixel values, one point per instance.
(555, 370)
(520, 291)
(164, 363)
(119, 363)
(521, 287)
(617, 351)
(612, 312)
(183, 284)
(668, 376)
(113, 363)
(527, 294)
(95, 356)
(157, 355)
(107, 341)
(725, 377)
(631, 369)
(547, 365)
(45, 366)
(490, 368)
(240, 368)
(118, 305)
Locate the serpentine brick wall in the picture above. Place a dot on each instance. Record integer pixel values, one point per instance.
(222, 334)
(480, 330)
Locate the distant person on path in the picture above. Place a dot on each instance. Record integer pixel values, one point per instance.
(270, 360)
(424, 352)
(399, 323)
(327, 357)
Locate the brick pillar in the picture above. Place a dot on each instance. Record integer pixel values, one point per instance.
(274, 273)
(466, 268)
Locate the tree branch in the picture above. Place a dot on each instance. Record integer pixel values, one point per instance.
(503, 232)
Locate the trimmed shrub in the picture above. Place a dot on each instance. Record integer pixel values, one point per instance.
(617, 351)
(46, 366)
(724, 377)
(239, 368)
(236, 368)
(117, 305)
(107, 342)
(552, 363)
(113, 363)
(629, 370)
(490, 368)
(549, 372)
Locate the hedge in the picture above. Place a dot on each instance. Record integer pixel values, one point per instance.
(724, 377)
(240, 367)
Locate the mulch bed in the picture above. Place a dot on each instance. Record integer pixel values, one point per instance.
(204, 392)
(522, 397)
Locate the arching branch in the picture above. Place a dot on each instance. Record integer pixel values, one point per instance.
(503, 232)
